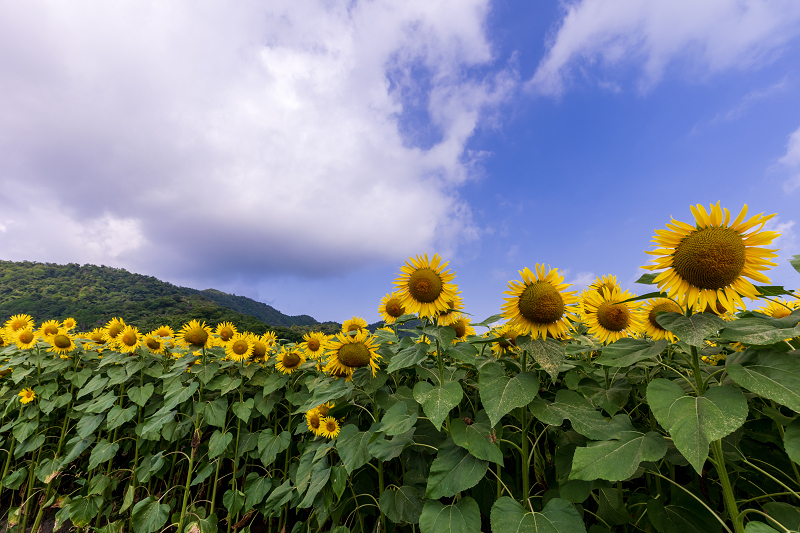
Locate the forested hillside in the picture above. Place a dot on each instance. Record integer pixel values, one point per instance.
(95, 294)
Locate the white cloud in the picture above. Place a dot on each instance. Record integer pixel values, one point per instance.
(791, 160)
(582, 280)
(302, 135)
(709, 36)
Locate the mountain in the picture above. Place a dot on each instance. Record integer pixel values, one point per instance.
(95, 294)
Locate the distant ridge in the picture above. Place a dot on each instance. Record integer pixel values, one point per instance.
(247, 306)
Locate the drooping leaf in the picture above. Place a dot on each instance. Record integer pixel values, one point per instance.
(683, 515)
(787, 515)
(14, 479)
(95, 384)
(403, 505)
(610, 399)
(454, 470)
(463, 516)
(558, 516)
(102, 452)
(693, 330)
(436, 401)
(397, 419)
(148, 515)
(585, 418)
(774, 375)
(549, 353)
(243, 409)
(118, 416)
(476, 438)
(351, 445)
(83, 509)
(256, 488)
(202, 474)
(233, 500)
(218, 443)
(693, 422)
(279, 496)
(214, 412)
(501, 394)
(443, 334)
(408, 357)
(88, 423)
(388, 449)
(795, 262)
(270, 445)
(617, 460)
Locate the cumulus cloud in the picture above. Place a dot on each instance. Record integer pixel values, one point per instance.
(300, 136)
(791, 160)
(707, 37)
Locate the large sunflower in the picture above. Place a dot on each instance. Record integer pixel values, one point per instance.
(239, 347)
(98, 339)
(539, 305)
(62, 343)
(289, 359)
(49, 329)
(708, 262)
(260, 348)
(69, 323)
(270, 338)
(24, 338)
(17, 322)
(195, 335)
(453, 311)
(650, 311)
(424, 286)
(128, 339)
(353, 325)
(154, 343)
(391, 308)
(461, 323)
(314, 344)
(348, 352)
(163, 331)
(226, 331)
(607, 317)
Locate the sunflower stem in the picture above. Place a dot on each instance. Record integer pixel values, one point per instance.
(526, 463)
(727, 488)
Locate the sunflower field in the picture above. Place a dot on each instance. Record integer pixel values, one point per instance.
(592, 412)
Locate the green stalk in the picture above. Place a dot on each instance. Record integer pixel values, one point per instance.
(727, 488)
(526, 463)
(195, 438)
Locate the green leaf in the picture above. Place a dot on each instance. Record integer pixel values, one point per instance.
(84, 508)
(320, 474)
(772, 290)
(791, 440)
(24, 430)
(148, 515)
(463, 351)
(351, 445)
(215, 412)
(647, 296)
(118, 416)
(256, 489)
(758, 332)
(549, 353)
(773, 375)
(398, 420)
(611, 399)
(627, 352)
(270, 445)
(102, 452)
(388, 449)
(96, 383)
(402, 505)
(693, 330)
(795, 262)
(443, 334)
(617, 460)
(127, 501)
(278, 497)
(647, 279)
(140, 395)
(75, 447)
(454, 470)
(218, 443)
(694, 422)
(149, 465)
(178, 396)
(758, 527)
(14, 480)
(47, 468)
(501, 394)
(787, 515)
(408, 357)
(155, 423)
(233, 500)
(88, 423)
(243, 409)
(475, 438)
(207, 372)
(202, 474)
(325, 393)
(437, 402)
(491, 320)
(274, 382)
(683, 515)
(338, 480)
(558, 516)
(584, 417)
(463, 516)
(101, 404)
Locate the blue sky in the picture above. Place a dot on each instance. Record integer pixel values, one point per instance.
(299, 152)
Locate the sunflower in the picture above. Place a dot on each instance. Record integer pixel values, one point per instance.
(97, 338)
(3, 341)
(195, 335)
(454, 306)
(391, 308)
(424, 286)
(289, 359)
(69, 323)
(346, 353)
(329, 427)
(314, 421)
(708, 263)
(239, 347)
(779, 308)
(62, 343)
(270, 338)
(154, 343)
(17, 322)
(354, 325)
(226, 331)
(26, 395)
(128, 339)
(314, 344)
(609, 281)
(607, 317)
(259, 348)
(49, 329)
(113, 328)
(508, 334)
(539, 304)
(163, 332)
(24, 338)
(650, 311)
(461, 323)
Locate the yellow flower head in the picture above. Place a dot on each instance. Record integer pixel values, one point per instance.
(289, 359)
(163, 332)
(49, 329)
(17, 322)
(539, 304)
(155, 343)
(454, 308)
(650, 311)
(195, 335)
(329, 427)
(225, 331)
(113, 329)
(314, 344)
(314, 421)
(26, 395)
(607, 317)
(62, 343)
(391, 308)
(461, 323)
(424, 286)
(25, 338)
(239, 347)
(260, 347)
(353, 325)
(348, 352)
(97, 337)
(508, 334)
(128, 339)
(708, 262)
(779, 308)
(270, 338)
(69, 323)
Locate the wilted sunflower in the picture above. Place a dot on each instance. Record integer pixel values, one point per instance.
(391, 308)
(779, 308)
(329, 427)
(24, 338)
(348, 352)
(154, 343)
(17, 322)
(607, 318)
(325, 408)
(226, 331)
(314, 344)
(195, 335)
(424, 286)
(69, 323)
(128, 339)
(26, 395)
(454, 307)
(289, 359)
(461, 323)
(353, 325)
(62, 343)
(508, 334)
(539, 304)
(239, 347)
(708, 262)
(97, 338)
(49, 329)
(650, 311)
(314, 421)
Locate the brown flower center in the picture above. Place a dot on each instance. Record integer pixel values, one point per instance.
(613, 317)
(225, 334)
(461, 328)
(323, 410)
(240, 347)
(394, 309)
(425, 285)
(259, 349)
(313, 344)
(196, 337)
(540, 302)
(62, 341)
(313, 420)
(129, 338)
(290, 360)
(52, 329)
(152, 344)
(26, 336)
(354, 355)
(115, 330)
(710, 258)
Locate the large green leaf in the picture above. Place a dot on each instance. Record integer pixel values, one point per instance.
(454, 470)
(683, 515)
(388, 449)
(585, 418)
(84, 508)
(118, 416)
(791, 440)
(627, 352)
(102, 452)
(610, 399)
(256, 488)
(617, 460)
(352, 447)
(773, 375)
(140, 395)
(402, 505)
(558, 516)
(501, 394)
(270, 445)
(787, 515)
(443, 334)
(398, 420)
(476, 438)
(768, 336)
(694, 422)
(437, 401)
(179, 395)
(328, 390)
(549, 353)
(233, 500)
(693, 330)
(149, 515)
(95, 384)
(463, 516)
(215, 412)
(408, 357)
(218, 443)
